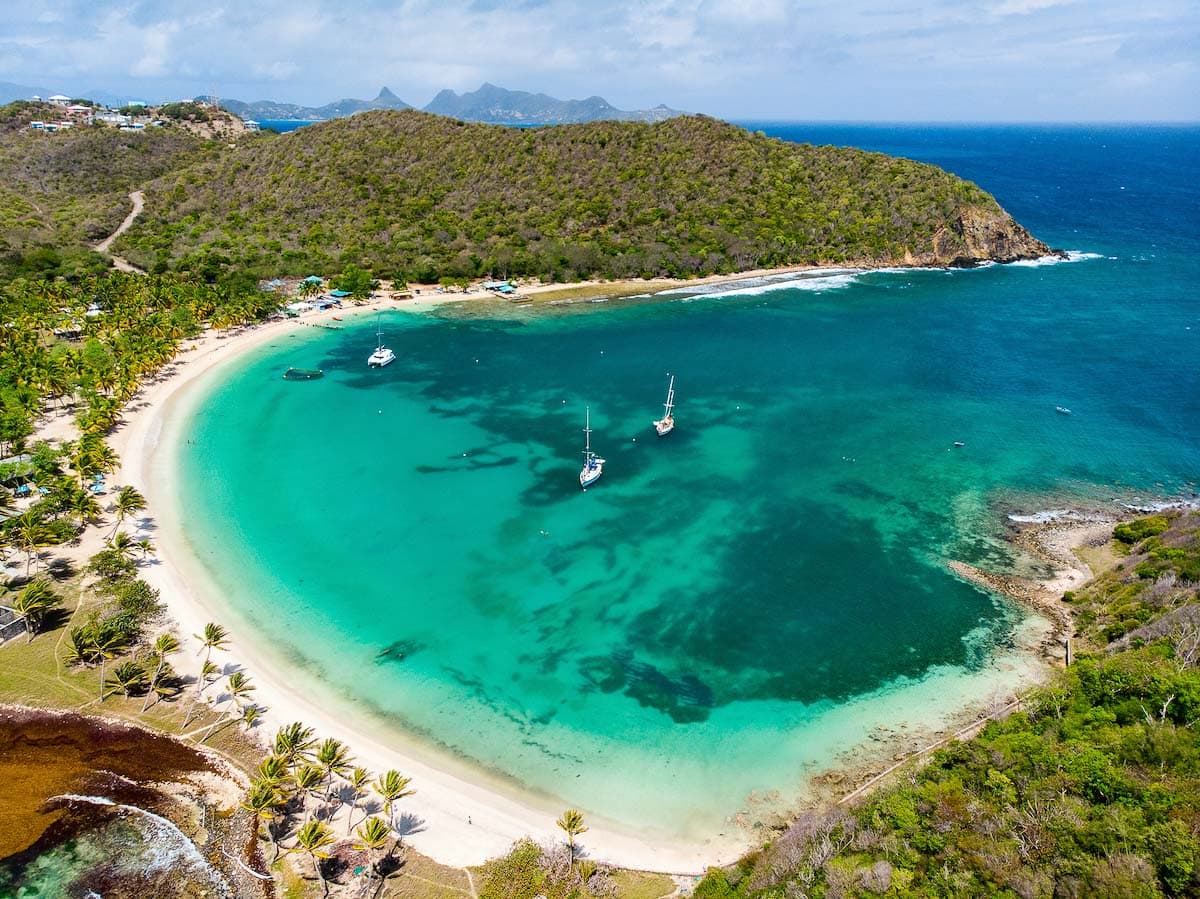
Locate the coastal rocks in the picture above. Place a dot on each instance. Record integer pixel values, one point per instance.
(114, 809)
(980, 235)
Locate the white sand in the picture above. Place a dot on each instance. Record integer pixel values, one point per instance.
(466, 820)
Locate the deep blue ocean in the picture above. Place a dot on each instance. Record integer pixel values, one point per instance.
(733, 607)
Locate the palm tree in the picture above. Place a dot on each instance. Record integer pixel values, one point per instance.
(273, 769)
(250, 715)
(373, 837)
(392, 786)
(84, 507)
(208, 671)
(334, 758)
(358, 781)
(129, 502)
(237, 686)
(214, 637)
(308, 779)
(128, 677)
(572, 822)
(107, 644)
(145, 547)
(32, 604)
(30, 534)
(164, 645)
(263, 801)
(294, 743)
(312, 838)
(123, 545)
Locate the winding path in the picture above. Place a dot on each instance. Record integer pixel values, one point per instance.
(139, 200)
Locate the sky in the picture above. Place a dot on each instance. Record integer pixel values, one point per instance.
(845, 60)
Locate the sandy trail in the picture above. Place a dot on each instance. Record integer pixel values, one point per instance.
(139, 201)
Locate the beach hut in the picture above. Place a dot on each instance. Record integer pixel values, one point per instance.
(313, 279)
(339, 293)
(272, 285)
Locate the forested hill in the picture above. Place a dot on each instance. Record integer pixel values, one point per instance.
(422, 197)
(61, 192)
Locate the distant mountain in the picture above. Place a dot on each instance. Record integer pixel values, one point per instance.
(499, 106)
(10, 92)
(265, 110)
(490, 103)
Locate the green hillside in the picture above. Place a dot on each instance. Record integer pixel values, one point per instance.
(60, 193)
(420, 197)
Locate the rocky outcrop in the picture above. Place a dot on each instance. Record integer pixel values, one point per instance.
(978, 235)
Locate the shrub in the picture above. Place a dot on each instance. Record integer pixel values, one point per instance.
(1132, 531)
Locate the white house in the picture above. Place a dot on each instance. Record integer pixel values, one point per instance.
(60, 100)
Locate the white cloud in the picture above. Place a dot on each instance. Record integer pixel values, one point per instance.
(1025, 7)
(789, 58)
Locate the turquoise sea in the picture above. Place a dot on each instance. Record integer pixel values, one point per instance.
(735, 606)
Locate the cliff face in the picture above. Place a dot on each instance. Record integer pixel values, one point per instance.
(977, 235)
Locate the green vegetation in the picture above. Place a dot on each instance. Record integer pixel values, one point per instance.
(1133, 531)
(530, 870)
(420, 198)
(1093, 789)
(60, 193)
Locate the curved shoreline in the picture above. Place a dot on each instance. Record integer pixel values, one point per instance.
(465, 822)
(467, 819)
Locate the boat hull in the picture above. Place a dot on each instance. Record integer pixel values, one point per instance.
(664, 427)
(589, 476)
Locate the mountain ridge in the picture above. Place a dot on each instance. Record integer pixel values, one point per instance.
(489, 103)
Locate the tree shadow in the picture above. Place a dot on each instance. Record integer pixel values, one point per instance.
(408, 824)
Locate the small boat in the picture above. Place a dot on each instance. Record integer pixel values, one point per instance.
(593, 465)
(382, 355)
(303, 374)
(1062, 410)
(959, 443)
(666, 424)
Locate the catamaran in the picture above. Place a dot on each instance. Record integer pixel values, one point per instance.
(666, 424)
(593, 465)
(382, 355)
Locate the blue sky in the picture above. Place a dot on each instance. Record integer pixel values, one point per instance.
(964, 60)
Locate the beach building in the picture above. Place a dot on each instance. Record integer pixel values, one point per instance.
(250, 124)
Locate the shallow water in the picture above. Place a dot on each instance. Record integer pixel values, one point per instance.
(733, 606)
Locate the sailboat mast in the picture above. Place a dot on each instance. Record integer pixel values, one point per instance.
(670, 397)
(587, 431)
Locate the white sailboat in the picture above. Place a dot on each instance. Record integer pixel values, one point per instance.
(382, 355)
(593, 465)
(666, 424)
